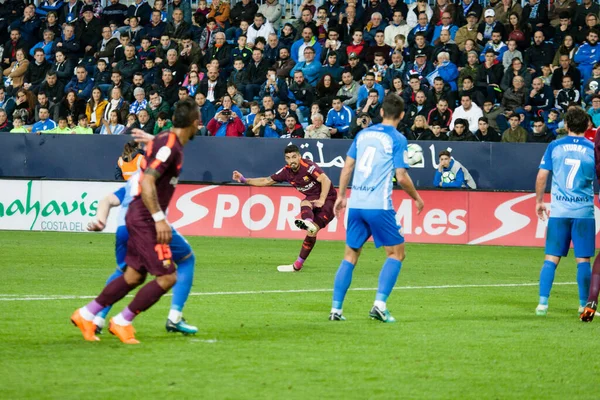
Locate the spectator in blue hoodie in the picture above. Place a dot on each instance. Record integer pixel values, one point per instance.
(587, 55)
(48, 45)
(310, 67)
(339, 119)
(81, 84)
(369, 83)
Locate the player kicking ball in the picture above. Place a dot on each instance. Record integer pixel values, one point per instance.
(183, 256)
(316, 209)
(148, 249)
(571, 161)
(381, 152)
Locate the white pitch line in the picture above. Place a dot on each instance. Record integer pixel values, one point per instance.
(24, 297)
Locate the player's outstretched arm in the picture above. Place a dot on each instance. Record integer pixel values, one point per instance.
(407, 184)
(99, 223)
(141, 137)
(266, 181)
(150, 199)
(340, 202)
(540, 187)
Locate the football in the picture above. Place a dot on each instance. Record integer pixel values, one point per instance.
(448, 177)
(415, 154)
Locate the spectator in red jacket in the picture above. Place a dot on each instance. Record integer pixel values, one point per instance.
(226, 123)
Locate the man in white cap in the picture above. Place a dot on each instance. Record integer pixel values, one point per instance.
(489, 25)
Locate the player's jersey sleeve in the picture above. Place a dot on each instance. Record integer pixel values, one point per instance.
(352, 150)
(163, 153)
(121, 194)
(281, 175)
(546, 162)
(400, 152)
(314, 170)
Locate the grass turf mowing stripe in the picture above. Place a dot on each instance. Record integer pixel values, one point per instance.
(24, 297)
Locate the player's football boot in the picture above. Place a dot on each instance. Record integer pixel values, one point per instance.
(125, 333)
(383, 316)
(87, 328)
(288, 268)
(541, 310)
(307, 225)
(588, 312)
(336, 317)
(99, 322)
(181, 326)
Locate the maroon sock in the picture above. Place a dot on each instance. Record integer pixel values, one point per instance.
(113, 292)
(307, 246)
(595, 282)
(146, 297)
(307, 213)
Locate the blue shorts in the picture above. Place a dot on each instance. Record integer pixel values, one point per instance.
(561, 231)
(381, 224)
(180, 248)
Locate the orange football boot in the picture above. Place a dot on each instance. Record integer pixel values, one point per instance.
(87, 328)
(125, 333)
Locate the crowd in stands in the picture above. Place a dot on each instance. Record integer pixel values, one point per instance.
(502, 70)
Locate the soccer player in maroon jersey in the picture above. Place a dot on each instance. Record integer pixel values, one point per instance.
(317, 207)
(148, 248)
(589, 311)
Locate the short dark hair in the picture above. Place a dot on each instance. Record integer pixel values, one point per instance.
(162, 115)
(466, 78)
(576, 120)
(186, 112)
(81, 117)
(483, 119)
(291, 148)
(445, 153)
(393, 106)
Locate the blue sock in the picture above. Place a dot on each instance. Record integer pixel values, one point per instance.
(387, 278)
(546, 279)
(115, 275)
(343, 279)
(185, 278)
(584, 275)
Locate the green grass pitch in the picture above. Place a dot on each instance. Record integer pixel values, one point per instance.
(475, 340)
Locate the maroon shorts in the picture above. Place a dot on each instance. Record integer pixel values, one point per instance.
(325, 214)
(144, 254)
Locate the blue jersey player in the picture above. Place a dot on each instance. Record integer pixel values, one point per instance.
(376, 154)
(571, 218)
(183, 256)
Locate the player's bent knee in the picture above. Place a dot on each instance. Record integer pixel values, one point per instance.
(167, 281)
(133, 277)
(306, 203)
(351, 255)
(554, 259)
(396, 252)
